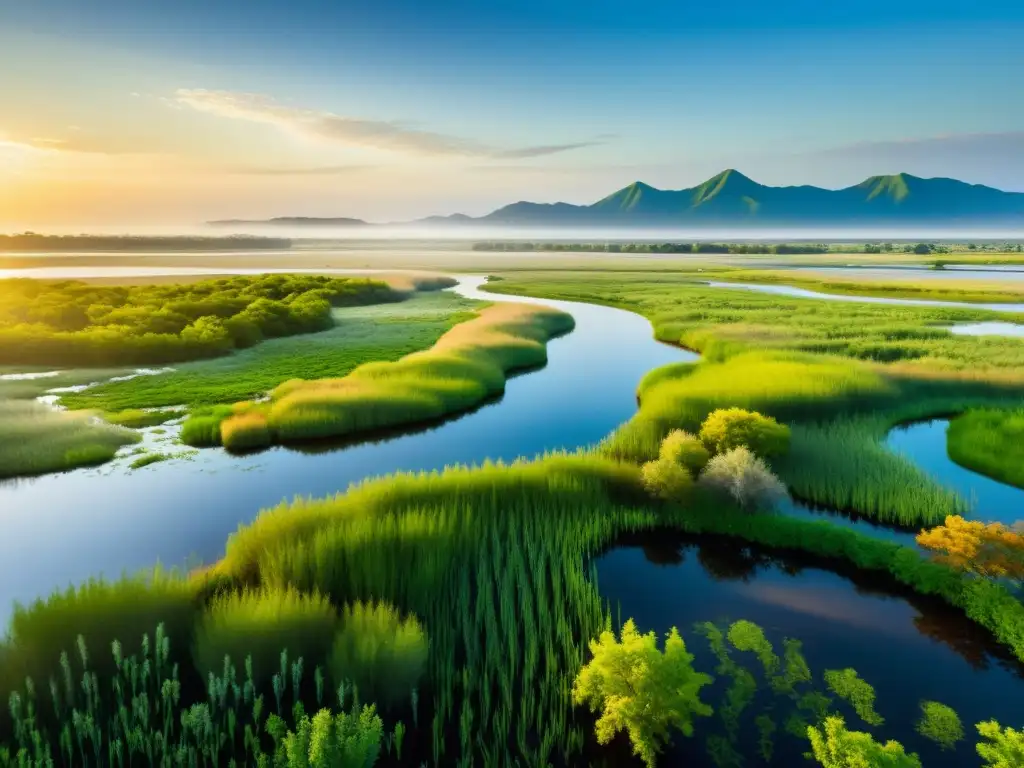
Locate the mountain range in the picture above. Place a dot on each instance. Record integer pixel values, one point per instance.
(735, 199)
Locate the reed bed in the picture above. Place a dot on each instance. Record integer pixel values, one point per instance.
(35, 439)
(137, 418)
(990, 442)
(465, 367)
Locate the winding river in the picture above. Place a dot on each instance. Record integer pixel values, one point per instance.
(65, 528)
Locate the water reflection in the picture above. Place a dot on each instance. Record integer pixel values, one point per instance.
(910, 647)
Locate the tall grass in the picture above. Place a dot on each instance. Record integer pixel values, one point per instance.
(990, 442)
(381, 652)
(35, 439)
(261, 623)
(466, 366)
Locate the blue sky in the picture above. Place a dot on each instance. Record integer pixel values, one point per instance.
(153, 112)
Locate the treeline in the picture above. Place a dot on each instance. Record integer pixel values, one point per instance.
(78, 324)
(780, 248)
(31, 241)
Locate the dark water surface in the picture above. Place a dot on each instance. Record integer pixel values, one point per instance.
(62, 529)
(908, 647)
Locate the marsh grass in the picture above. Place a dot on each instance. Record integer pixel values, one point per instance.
(465, 367)
(148, 458)
(136, 418)
(359, 335)
(990, 442)
(35, 439)
(261, 623)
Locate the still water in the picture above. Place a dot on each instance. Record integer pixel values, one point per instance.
(106, 521)
(908, 647)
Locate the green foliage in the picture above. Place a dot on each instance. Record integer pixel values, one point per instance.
(745, 478)
(260, 624)
(728, 428)
(136, 418)
(641, 689)
(990, 442)
(360, 334)
(35, 439)
(847, 685)
(683, 448)
(148, 458)
(346, 740)
(383, 654)
(666, 479)
(1000, 747)
(835, 747)
(747, 636)
(80, 324)
(122, 710)
(466, 366)
(202, 428)
(940, 724)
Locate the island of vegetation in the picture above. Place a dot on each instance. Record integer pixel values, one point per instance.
(452, 618)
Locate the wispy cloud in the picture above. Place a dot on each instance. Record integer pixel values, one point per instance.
(325, 170)
(354, 131)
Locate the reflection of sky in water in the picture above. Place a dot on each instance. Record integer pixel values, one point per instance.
(909, 652)
(81, 523)
(987, 329)
(925, 444)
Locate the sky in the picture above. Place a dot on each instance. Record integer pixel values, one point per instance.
(120, 113)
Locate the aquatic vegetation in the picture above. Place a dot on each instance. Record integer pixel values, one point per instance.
(990, 442)
(988, 549)
(146, 459)
(202, 428)
(136, 418)
(79, 324)
(136, 709)
(940, 724)
(35, 439)
(245, 432)
(641, 689)
(728, 428)
(360, 334)
(466, 366)
(745, 477)
(834, 746)
(847, 685)
(381, 653)
(1000, 747)
(257, 625)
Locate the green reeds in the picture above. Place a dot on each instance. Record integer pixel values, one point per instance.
(381, 652)
(466, 366)
(137, 418)
(990, 442)
(35, 439)
(261, 623)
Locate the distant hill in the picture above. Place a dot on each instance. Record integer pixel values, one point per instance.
(730, 198)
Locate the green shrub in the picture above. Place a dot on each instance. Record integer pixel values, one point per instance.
(745, 477)
(728, 428)
(383, 654)
(263, 624)
(686, 449)
(1000, 747)
(835, 747)
(666, 479)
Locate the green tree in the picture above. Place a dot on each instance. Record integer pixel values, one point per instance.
(728, 428)
(1001, 747)
(641, 689)
(835, 747)
(941, 724)
(666, 479)
(686, 449)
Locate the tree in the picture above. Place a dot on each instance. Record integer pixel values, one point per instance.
(728, 428)
(686, 449)
(941, 724)
(835, 747)
(1002, 747)
(745, 477)
(987, 549)
(666, 479)
(641, 689)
